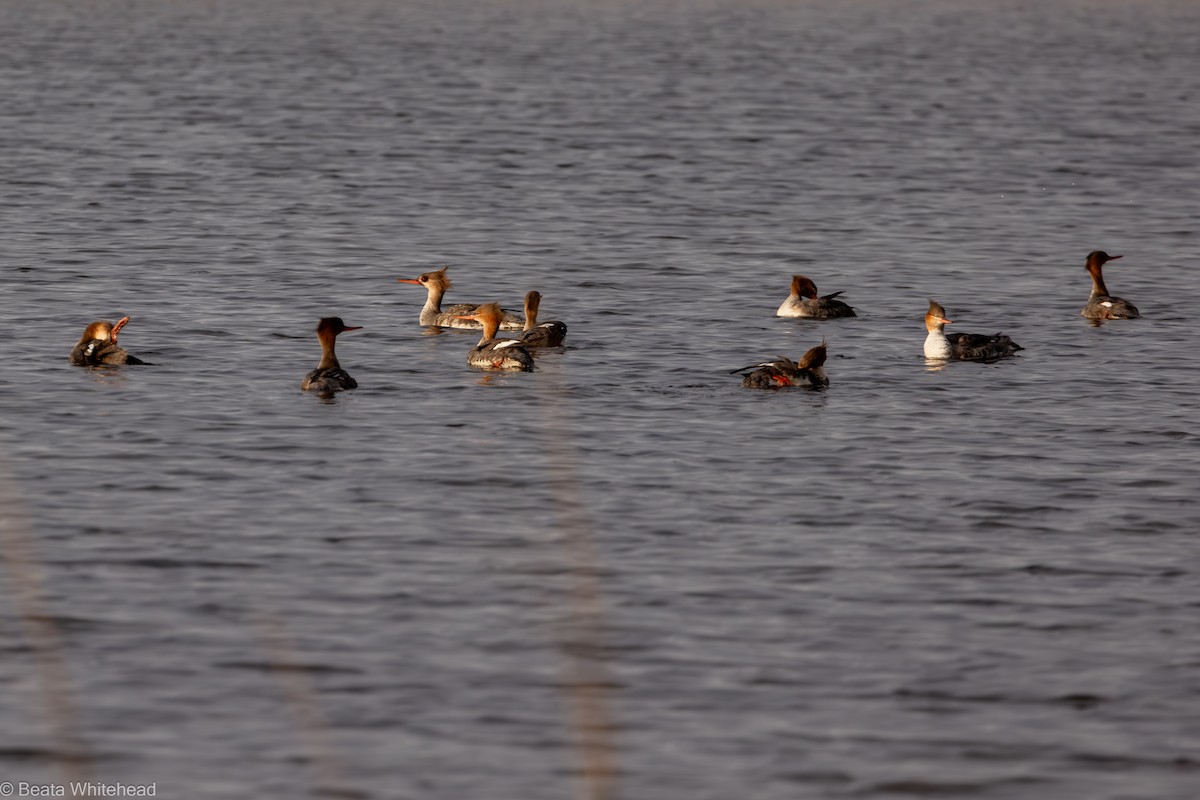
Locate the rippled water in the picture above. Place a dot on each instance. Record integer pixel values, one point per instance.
(977, 581)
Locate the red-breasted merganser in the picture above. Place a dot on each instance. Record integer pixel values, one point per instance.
(808, 372)
(456, 316)
(98, 345)
(544, 334)
(804, 302)
(329, 377)
(497, 354)
(962, 346)
(1100, 304)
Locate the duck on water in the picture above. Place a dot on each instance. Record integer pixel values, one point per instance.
(329, 377)
(803, 302)
(543, 334)
(1100, 304)
(456, 316)
(962, 346)
(507, 355)
(808, 372)
(98, 345)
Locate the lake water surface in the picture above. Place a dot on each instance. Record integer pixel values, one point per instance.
(972, 582)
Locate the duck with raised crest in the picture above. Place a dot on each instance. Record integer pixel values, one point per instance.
(962, 346)
(1100, 304)
(329, 377)
(456, 316)
(491, 353)
(804, 302)
(808, 372)
(544, 334)
(98, 345)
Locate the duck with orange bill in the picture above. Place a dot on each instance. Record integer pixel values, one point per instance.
(1101, 304)
(98, 345)
(436, 285)
(329, 377)
(962, 346)
(803, 302)
(540, 334)
(491, 353)
(808, 372)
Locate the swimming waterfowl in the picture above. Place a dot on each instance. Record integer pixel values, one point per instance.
(962, 346)
(497, 354)
(544, 334)
(98, 345)
(329, 377)
(1100, 304)
(436, 285)
(808, 372)
(804, 302)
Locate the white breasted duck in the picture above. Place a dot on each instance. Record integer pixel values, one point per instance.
(804, 302)
(962, 346)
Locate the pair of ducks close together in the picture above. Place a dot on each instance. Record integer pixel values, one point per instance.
(804, 302)
(98, 345)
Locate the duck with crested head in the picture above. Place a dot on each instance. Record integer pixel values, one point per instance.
(508, 355)
(962, 346)
(808, 372)
(98, 345)
(544, 334)
(804, 302)
(436, 285)
(1100, 304)
(329, 377)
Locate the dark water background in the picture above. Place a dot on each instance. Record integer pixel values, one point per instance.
(975, 582)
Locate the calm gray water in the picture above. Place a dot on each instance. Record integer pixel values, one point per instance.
(972, 582)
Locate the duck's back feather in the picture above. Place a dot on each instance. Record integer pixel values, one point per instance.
(976, 346)
(1104, 307)
(546, 334)
(328, 380)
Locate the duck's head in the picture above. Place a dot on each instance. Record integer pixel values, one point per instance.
(103, 330)
(332, 326)
(486, 314)
(434, 281)
(1097, 259)
(489, 316)
(804, 287)
(814, 357)
(935, 317)
(533, 299)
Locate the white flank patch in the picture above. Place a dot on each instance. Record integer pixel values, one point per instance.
(507, 343)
